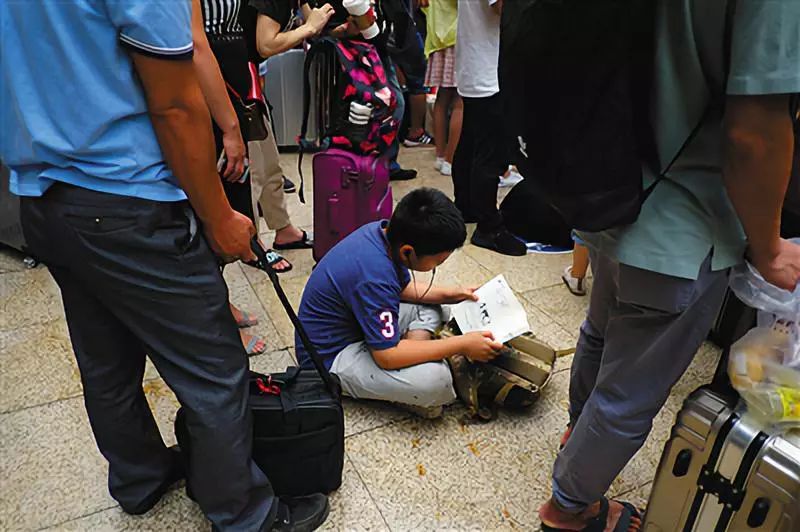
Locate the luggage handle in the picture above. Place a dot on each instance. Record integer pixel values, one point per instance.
(349, 174)
(333, 214)
(263, 264)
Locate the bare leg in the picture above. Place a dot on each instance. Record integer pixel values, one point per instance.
(418, 104)
(443, 100)
(288, 234)
(456, 119)
(553, 516)
(580, 261)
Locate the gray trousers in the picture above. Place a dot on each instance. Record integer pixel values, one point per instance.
(640, 334)
(137, 278)
(425, 385)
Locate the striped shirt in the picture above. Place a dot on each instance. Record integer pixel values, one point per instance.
(221, 17)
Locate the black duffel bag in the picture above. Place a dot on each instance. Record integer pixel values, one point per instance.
(298, 420)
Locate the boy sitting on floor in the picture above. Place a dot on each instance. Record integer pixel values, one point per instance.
(373, 325)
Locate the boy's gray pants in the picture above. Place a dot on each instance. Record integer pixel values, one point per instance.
(425, 385)
(641, 332)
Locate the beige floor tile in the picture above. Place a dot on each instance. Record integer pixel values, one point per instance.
(446, 474)
(523, 273)
(244, 297)
(38, 366)
(11, 260)
(175, 513)
(50, 467)
(28, 298)
(352, 508)
(559, 304)
(363, 416)
(547, 329)
(269, 299)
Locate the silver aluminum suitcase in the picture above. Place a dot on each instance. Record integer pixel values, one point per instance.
(283, 87)
(722, 471)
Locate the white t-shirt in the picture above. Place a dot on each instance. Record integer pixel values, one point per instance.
(477, 48)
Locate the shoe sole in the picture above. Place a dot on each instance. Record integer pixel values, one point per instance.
(571, 291)
(412, 144)
(290, 190)
(491, 246)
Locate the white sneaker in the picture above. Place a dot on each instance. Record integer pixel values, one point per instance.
(574, 285)
(446, 169)
(438, 164)
(511, 179)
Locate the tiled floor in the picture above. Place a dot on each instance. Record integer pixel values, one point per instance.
(400, 473)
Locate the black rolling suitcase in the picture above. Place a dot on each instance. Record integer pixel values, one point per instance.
(298, 420)
(723, 471)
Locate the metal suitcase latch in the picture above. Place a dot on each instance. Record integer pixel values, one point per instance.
(713, 483)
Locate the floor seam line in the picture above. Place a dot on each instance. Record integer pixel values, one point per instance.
(369, 493)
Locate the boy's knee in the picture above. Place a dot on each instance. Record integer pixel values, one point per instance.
(433, 385)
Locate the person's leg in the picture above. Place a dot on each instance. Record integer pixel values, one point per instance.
(424, 385)
(574, 275)
(489, 161)
(395, 171)
(456, 119)
(444, 99)
(652, 333)
(462, 162)
(148, 267)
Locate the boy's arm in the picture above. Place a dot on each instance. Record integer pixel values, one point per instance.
(437, 295)
(478, 346)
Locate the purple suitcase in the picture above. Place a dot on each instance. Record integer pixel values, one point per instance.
(349, 191)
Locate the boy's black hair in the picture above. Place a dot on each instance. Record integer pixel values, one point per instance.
(428, 221)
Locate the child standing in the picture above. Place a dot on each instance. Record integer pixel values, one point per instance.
(371, 321)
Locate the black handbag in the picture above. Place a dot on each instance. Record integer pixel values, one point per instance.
(251, 116)
(298, 420)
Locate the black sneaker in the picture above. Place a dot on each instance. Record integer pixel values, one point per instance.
(501, 241)
(288, 186)
(301, 514)
(402, 175)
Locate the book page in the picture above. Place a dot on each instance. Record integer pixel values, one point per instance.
(497, 310)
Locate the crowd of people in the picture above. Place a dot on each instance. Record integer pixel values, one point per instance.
(152, 165)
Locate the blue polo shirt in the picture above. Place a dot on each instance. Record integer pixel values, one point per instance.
(73, 109)
(353, 295)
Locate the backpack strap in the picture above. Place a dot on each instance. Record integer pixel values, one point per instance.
(717, 100)
(317, 49)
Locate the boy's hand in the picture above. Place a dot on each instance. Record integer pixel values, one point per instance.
(461, 293)
(480, 346)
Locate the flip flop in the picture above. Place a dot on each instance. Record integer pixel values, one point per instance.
(598, 523)
(251, 350)
(248, 320)
(274, 258)
(306, 242)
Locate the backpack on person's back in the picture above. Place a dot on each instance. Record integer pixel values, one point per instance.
(576, 77)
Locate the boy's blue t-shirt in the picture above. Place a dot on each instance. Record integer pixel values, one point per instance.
(353, 295)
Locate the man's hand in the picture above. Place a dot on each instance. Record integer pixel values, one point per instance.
(318, 18)
(229, 237)
(781, 267)
(235, 152)
(346, 30)
(480, 346)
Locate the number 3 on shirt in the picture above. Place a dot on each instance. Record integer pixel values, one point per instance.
(388, 324)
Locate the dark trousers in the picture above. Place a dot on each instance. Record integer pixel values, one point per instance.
(137, 277)
(480, 159)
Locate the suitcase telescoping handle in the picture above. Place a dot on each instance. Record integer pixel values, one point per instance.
(263, 264)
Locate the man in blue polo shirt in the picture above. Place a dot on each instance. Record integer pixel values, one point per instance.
(107, 135)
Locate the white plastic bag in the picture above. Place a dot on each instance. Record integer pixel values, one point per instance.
(764, 368)
(757, 293)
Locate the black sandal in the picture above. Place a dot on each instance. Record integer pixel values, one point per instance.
(306, 242)
(273, 258)
(598, 522)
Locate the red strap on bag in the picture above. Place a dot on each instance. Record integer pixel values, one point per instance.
(268, 387)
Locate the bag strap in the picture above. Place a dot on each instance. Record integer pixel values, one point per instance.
(717, 101)
(316, 49)
(262, 263)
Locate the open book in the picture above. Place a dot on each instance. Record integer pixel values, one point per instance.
(497, 310)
